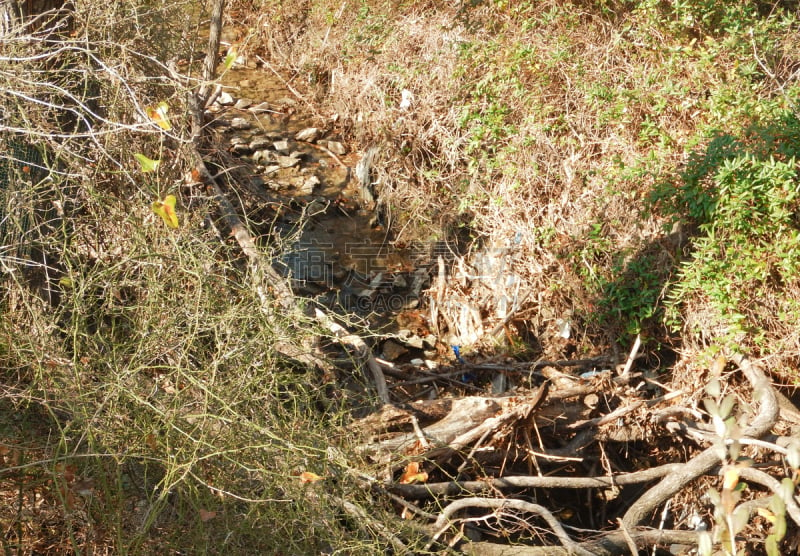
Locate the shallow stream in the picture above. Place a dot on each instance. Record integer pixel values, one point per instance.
(338, 251)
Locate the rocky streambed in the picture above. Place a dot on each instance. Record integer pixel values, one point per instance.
(323, 212)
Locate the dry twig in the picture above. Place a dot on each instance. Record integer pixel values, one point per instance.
(445, 519)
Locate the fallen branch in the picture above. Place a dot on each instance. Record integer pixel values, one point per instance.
(761, 424)
(519, 412)
(465, 415)
(362, 352)
(612, 543)
(445, 520)
(532, 365)
(453, 488)
(270, 286)
(605, 419)
(632, 356)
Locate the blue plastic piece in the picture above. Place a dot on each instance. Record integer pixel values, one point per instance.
(457, 352)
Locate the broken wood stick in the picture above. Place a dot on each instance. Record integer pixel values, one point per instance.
(446, 518)
(362, 352)
(465, 414)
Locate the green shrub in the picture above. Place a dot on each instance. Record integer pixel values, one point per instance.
(742, 197)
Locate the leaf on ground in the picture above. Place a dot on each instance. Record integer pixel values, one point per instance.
(412, 474)
(166, 210)
(309, 477)
(146, 164)
(206, 515)
(159, 115)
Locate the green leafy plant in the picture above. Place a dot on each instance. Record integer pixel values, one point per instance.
(729, 517)
(742, 196)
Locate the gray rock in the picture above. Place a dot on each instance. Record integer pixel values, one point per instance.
(309, 134)
(309, 185)
(281, 146)
(260, 142)
(261, 156)
(225, 99)
(336, 148)
(429, 341)
(415, 342)
(392, 350)
(243, 103)
(240, 123)
(305, 189)
(287, 161)
(261, 108)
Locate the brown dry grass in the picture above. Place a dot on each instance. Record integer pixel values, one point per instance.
(539, 125)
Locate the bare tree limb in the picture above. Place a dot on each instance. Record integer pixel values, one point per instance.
(445, 519)
(760, 425)
(212, 54)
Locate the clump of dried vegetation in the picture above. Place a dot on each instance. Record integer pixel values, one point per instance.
(635, 163)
